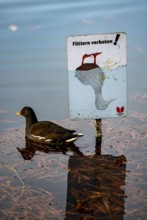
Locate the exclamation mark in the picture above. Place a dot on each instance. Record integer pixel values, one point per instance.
(116, 39)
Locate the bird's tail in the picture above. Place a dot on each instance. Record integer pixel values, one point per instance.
(74, 138)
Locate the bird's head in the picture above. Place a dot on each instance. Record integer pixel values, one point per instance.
(28, 113)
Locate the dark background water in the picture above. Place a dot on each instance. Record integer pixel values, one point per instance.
(33, 56)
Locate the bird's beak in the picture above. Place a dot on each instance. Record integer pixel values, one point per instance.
(18, 113)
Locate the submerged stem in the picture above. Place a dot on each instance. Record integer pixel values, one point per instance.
(16, 173)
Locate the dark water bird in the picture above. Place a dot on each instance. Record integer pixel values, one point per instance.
(46, 131)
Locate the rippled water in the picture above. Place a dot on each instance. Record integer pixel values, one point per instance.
(33, 48)
(33, 72)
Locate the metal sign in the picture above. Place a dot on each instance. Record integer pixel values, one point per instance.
(97, 76)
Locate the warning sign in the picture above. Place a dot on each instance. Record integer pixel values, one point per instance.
(97, 76)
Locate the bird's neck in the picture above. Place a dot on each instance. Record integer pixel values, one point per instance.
(30, 121)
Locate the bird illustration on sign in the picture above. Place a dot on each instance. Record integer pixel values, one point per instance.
(93, 75)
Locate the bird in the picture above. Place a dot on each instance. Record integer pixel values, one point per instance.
(46, 131)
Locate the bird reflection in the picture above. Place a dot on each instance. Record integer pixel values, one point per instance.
(31, 147)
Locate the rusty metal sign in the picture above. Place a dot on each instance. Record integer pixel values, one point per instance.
(97, 76)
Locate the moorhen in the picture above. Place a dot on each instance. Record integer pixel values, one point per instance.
(46, 131)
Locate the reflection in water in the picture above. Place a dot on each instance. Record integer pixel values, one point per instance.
(95, 183)
(95, 187)
(31, 147)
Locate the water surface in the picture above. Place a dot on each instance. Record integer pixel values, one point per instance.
(33, 48)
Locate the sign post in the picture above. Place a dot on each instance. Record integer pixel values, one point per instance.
(97, 77)
(98, 127)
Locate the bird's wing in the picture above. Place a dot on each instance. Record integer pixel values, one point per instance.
(50, 131)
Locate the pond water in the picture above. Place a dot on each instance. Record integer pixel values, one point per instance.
(107, 182)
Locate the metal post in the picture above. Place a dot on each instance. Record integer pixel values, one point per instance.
(99, 135)
(98, 128)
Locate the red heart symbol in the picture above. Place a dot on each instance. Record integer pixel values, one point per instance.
(120, 110)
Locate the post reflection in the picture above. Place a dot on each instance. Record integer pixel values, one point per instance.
(95, 187)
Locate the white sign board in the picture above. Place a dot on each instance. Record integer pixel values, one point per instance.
(97, 76)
